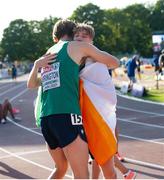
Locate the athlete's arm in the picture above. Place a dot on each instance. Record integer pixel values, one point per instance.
(34, 81)
(100, 56)
(78, 50)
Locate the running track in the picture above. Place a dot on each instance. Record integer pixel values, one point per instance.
(23, 153)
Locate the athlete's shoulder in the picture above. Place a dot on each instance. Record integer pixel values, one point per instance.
(78, 44)
(51, 49)
(57, 47)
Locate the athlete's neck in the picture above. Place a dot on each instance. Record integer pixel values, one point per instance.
(66, 38)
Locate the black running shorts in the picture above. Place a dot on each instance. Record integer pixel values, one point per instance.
(59, 130)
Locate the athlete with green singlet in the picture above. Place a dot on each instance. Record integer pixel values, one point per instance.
(61, 121)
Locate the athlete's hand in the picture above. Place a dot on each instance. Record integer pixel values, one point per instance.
(45, 61)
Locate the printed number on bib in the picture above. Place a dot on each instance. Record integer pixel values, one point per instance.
(76, 119)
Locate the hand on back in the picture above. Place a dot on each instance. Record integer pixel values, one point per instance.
(46, 60)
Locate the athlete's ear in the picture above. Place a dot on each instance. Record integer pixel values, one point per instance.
(55, 39)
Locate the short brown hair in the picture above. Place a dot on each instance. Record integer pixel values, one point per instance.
(63, 27)
(85, 27)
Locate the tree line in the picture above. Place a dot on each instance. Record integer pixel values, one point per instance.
(118, 31)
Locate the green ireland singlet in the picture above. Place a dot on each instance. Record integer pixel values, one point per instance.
(60, 84)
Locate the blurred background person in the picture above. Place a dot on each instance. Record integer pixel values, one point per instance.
(161, 61)
(138, 61)
(14, 72)
(5, 107)
(131, 66)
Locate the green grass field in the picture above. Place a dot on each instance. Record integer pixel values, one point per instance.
(149, 81)
(155, 95)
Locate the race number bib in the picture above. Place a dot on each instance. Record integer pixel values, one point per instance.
(51, 77)
(76, 119)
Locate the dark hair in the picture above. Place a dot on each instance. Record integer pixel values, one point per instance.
(63, 27)
(85, 27)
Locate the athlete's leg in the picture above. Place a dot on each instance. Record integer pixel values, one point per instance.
(55, 151)
(60, 161)
(77, 154)
(117, 137)
(117, 162)
(95, 170)
(108, 169)
(120, 165)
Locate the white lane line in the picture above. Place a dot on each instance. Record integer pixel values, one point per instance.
(130, 137)
(136, 110)
(140, 123)
(156, 116)
(144, 163)
(158, 139)
(140, 139)
(29, 161)
(35, 128)
(23, 127)
(19, 94)
(7, 85)
(11, 89)
(24, 153)
(34, 133)
(137, 99)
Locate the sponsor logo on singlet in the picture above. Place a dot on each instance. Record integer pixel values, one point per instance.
(50, 77)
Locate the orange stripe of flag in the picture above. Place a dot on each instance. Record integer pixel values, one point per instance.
(101, 141)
